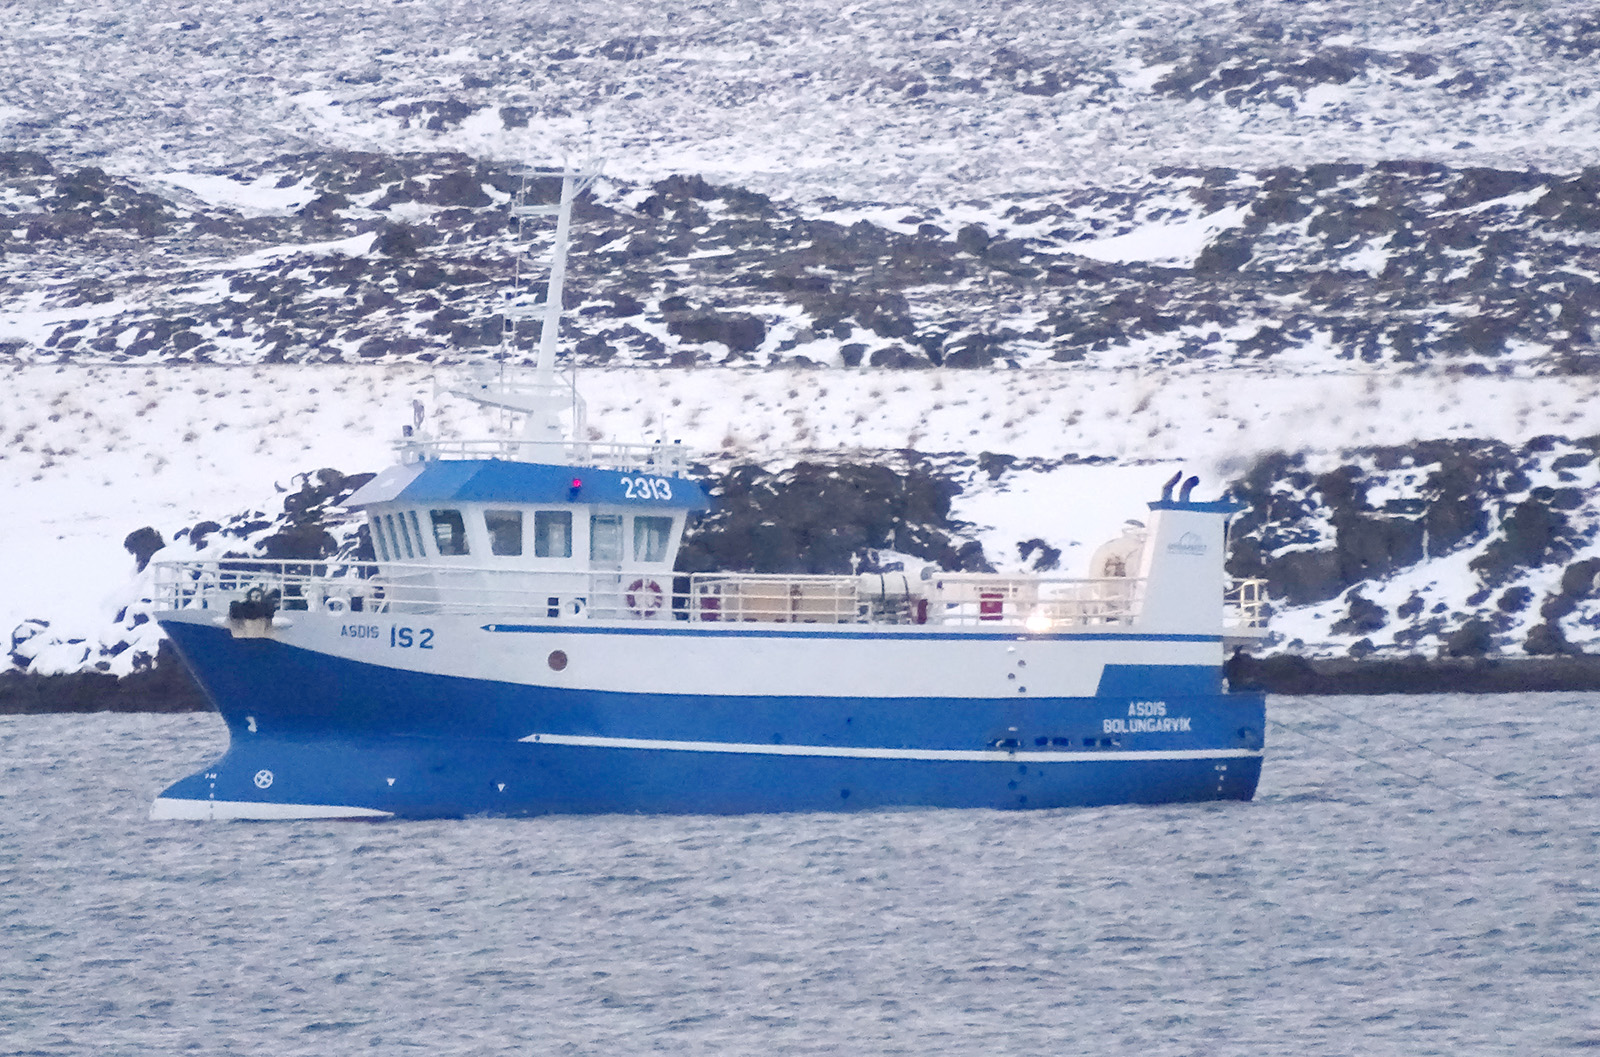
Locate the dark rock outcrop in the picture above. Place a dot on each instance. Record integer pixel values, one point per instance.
(814, 518)
(143, 544)
(1303, 264)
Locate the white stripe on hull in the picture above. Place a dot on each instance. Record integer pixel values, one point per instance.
(167, 808)
(868, 753)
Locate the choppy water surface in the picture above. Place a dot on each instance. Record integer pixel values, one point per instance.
(1349, 909)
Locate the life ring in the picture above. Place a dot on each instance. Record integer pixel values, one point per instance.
(645, 597)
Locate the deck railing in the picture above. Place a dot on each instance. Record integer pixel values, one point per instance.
(783, 599)
(1245, 610)
(651, 458)
(1039, 603)
(1036, 604)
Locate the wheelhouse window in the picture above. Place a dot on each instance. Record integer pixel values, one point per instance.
(505, 531)
(449, 532)
(404, 534)
(379, 543)
(552, 533)
(416, 530)
(650, 538)
(605, 537)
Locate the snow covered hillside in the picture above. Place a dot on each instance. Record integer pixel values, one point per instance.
(912, 105)
(1340, 256)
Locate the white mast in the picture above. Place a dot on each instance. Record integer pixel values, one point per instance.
(551, 324)
(549, 397)
(544, 397)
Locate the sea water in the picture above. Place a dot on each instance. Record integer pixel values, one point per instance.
(1418, 875)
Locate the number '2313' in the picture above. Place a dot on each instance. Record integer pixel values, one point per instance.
(646, 488)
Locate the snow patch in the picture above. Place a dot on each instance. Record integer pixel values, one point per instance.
(355, 246)
(259, 197)
(1176, 244)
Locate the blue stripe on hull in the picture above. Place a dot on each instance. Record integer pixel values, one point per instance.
(330, 731)
(733, 630)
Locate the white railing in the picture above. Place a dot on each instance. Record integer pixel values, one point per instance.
(780, 599)
(1244, 608)
(1039, 603)
(649, 458)
(1036, 604)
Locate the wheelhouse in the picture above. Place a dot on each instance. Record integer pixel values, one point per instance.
(510, 516)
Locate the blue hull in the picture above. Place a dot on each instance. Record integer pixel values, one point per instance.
(316, 735)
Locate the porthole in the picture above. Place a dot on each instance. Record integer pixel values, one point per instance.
(557, 660)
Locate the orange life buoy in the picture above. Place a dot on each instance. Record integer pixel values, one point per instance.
(645, 597)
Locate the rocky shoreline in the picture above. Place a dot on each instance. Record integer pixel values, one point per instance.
(168, 687)
(1287, 673)
(164, 688)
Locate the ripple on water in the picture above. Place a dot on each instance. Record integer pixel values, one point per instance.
(1384, 893)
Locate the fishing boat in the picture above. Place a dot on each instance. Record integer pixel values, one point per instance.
(522, 644)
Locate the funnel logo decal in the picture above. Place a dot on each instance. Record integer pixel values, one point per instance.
(1188, 543)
